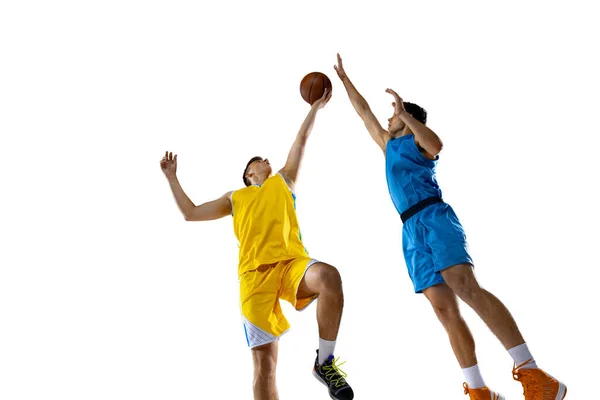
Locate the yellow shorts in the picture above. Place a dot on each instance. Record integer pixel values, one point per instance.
(260, 291)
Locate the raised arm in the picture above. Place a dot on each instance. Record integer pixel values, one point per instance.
(215, 209)
(292, 165)
(425, 138)
(379, 135)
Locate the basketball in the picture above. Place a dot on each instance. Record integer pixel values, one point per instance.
(313, 85)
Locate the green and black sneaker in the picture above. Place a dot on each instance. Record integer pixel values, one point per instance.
(330, 375)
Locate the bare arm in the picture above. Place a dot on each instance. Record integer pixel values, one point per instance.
(292, 165)
(425, 138)
(208, 211)
(379, 135)
(211, 210)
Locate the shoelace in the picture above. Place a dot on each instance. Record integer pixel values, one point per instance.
(334, 374)
(466, 388)
(467, 391)
(532, 388)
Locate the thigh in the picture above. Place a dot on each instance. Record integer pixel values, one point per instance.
(445, 237)
(295, 288)
(263, 318)
(317, 276)
(441, 297)
(461, 278)
(418, 257)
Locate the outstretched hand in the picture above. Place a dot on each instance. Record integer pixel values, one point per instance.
(339, 68)
(168, 165)
(323, 100)
(398, 104)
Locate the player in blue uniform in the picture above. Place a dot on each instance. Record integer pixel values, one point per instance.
(435, 247)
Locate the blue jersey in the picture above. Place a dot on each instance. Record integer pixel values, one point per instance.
(410, 175)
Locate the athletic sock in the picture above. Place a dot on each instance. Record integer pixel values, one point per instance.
(473, 377)
(521, 354)
(326, 348)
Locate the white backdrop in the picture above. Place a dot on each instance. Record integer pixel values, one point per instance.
(107, 293)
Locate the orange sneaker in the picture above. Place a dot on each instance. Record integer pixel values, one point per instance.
(538, 385)
(482, 394)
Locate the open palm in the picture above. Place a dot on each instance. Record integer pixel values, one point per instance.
(168, 164)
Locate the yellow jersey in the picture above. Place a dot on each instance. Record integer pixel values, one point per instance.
(265, 224)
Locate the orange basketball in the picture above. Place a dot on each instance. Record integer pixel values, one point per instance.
(313, 85)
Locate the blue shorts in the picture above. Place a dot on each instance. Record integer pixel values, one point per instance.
(433, 240)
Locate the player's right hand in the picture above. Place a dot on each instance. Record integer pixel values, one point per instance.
(168, 164)
(398, 104)
(339, 68)
(323, 100)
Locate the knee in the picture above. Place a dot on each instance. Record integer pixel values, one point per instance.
(446, 311)
(464, 284)
(330, 278)
(444, 304)
(264, 370)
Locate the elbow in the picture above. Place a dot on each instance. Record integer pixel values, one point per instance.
(362, 109)
(188, 216)
(436, 147)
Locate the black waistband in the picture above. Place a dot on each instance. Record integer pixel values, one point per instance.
(419, 206)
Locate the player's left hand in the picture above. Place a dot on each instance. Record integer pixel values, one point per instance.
(398, 104)
(339, 68)
(323, 100)
(168, 164)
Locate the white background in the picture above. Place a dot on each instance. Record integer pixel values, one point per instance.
(107, 293)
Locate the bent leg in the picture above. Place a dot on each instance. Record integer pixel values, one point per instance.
(324, 280)
(461, 279)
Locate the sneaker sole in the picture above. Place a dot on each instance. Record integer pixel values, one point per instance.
(323, 382)
(562, 391)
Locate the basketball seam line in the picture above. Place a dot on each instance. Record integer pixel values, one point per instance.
(311, 86)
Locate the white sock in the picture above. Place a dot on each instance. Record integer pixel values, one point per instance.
(326, 348)
(473, 377)
(521, 354)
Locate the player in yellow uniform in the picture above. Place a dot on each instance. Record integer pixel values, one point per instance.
(273, 263)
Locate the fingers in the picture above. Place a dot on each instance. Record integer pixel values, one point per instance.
(390, 91)
(396, 96)
(339, 68)
(324, 99)
(168, 158)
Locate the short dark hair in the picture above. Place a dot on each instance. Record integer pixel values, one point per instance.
(416, 111)
(246, 181)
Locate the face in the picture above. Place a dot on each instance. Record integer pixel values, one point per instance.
(260, 168)
(395, 125)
